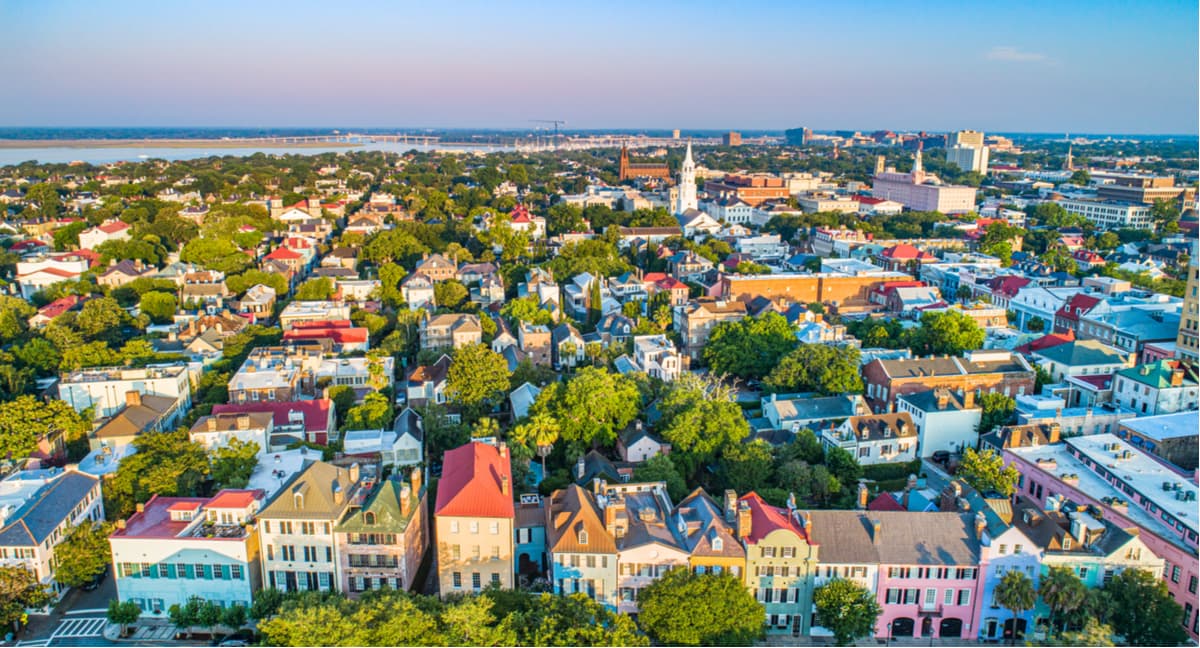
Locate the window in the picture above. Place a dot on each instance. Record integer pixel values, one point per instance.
(476, 581)
(323, 580)
(453, 526)
(1017, 548)
(236, 572)
(893, 596)
(494, 528)
(789, 552)
(911, 596)
(474, 527)
(456, 579)
(328, 554)
(496, 554)
(964, 597)
(948, 598)
(1176, 573)
(162, 570)
(496, 579)
(768, 552)
(456, 552)
(1192, 583)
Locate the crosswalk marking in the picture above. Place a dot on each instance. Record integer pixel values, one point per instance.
(36, 643)
(75, 628)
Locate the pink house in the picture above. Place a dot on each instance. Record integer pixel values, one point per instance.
(929, 577)
(1131, 489)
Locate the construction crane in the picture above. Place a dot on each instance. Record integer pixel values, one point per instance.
(556, 122)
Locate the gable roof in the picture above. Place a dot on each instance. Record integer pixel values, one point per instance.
(472, 475)
(765, 519)
(570, 511)
(37, 518)
(1081, 353)
(325, 492)
(316, 412)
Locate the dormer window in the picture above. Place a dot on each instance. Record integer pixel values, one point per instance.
(298, 500)
(583, 537)
(369, 518)
(718, 544)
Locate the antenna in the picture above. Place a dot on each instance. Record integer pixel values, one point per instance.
(556, 122)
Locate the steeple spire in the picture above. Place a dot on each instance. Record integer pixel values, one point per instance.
(687, 183)
(918, 166)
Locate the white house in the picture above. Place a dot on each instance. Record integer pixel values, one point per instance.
(657, 357)
(105, 389)
(875, 438)
(174, 549)
(217, 430)
(110, 230)
(944, 420)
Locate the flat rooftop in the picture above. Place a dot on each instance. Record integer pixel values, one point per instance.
(1144, 476)
(1166, 426)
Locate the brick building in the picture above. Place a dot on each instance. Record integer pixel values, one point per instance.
(977, 371)
(752, 189)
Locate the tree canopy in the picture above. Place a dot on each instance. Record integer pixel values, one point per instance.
(817, 368)
(683, 608)
(846, 609)
(591, 407)
(985, 471)
(477, 379)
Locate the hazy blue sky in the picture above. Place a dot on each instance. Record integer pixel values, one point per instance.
(1095, 66)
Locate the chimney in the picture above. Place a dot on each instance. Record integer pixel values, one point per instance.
(133, 398)
(864, 494)
(791, 501)
(599, 486)
(504, 484)
(580, 468)
(730, 506)
(243, 421)
(141, 508)
(405, 500)
(415, 478)
(743, 520)
(943, 398)
(968, 399)
(1177, 377)
(355, 472)
(980, 525)
(121, 524)
(211, 423)
(339, 495)
(806, 520)
(503, 450)
(876, 531)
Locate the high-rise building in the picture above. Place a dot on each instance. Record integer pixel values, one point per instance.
(732, 138)
(675, 134)
(1189, 323)
(971, 138)
(968, 158)
(798, 136)
(687, 184)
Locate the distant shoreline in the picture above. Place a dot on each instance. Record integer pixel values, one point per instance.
(164, 143)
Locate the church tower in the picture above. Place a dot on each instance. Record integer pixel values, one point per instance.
(687, 184)
(918, 170)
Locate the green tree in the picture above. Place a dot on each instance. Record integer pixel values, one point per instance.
(700, 418)
(1081, 177)
(450, 294)
(234, 462)
(817, 367)
(946, 333)
(234, 616)
(985, 472)
(92, 354)
(100, 318)
(1015, 593)
(571, 620)
(315, 289)
(375, 412)
(83, 555)
(749, 348)
(1064, 593)
(591, 407)
(526, 309)
(123, 614)
(997, 410)
(166, 464)
(19, 590)
(477, 379)
(1036, 325)
(686, 609)
(26, 419)
(846, 609)
(660, 468)
(1142, 610)
(265, 603)
(38, 354)
(1094, 633)
(45, 196)
(746, 466)
(343, 397)
(14, 314)
(240, 283)
(539, 433)
(159, 306)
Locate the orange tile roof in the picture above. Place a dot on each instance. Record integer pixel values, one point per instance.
(471, 483)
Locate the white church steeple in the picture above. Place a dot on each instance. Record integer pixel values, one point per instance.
(687, 183)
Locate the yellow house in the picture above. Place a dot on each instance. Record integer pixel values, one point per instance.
(473, 519)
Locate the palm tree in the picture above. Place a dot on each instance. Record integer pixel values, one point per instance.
(542, 432)
(485, 427)
(1063, 592)
(1015, 593)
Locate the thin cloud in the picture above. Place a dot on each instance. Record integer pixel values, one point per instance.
(1014, 54)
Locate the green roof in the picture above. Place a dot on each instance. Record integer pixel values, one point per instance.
(385, 504)
(1158, 374)
(1082, 353)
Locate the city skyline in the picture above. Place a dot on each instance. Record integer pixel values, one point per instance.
(668, 65)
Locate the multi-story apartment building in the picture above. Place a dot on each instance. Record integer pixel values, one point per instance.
(1161, 387)
(382, 541)
(657, 356)
(1187, 343)
(1109, 214)
(174, 549)
(695, 320)
(752, 189)
(1130, 490)
(979, 371)
(1173, 437)
(920, 190)
(581, 551)
(946, 421)
(781, 562)
(105, 389)
(649, 542)
(450, 331)
(848, 288)
(1081, 358)
(38, 508)
(296, 526)
(473, 519)
(312, 311)
(217, 430)
(875, 438)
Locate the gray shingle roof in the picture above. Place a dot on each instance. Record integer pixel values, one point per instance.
(33, 522)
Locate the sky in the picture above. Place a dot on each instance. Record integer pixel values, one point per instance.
(1100, 66)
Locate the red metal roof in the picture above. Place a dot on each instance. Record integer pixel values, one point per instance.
(235, 499)
(1047, 341)
(283, 253)
(338, 335)
(884, 502)
(114, 227)
(316, 412)
(765, 518)
(471, 483)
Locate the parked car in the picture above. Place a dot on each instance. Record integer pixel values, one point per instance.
(239, 639)
(95, 582)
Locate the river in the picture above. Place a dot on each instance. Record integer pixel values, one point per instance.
(107, 154)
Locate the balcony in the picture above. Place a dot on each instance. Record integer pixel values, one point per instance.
(930, 610)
